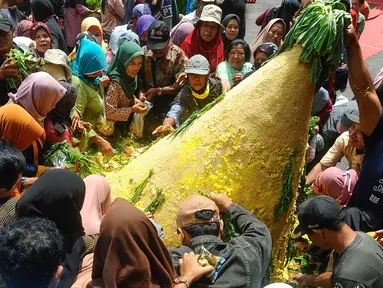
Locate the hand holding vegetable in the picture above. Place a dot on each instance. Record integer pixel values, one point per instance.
(106, 148)
(379, 237)
(8, 69)
(151, 93)
(191, 269)
(350, 35)
(139, 108)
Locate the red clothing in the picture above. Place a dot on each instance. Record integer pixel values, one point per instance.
(53, 137)
(213, 50)
(323, 114)
(354, 16)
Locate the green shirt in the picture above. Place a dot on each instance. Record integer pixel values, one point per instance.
(225, 71)
(89, 103)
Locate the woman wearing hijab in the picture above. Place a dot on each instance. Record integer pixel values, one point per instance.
(231, 23)
(238, 7)
(206, 37)
(263, 53)
(273, 32)
(117, 38)
(38, 94)
(286, 12)
(23, 29)
(236, 65)
(43, 11)
(23, 37)
(92, 26)
(87, 69)
(129, 253)
(19, 128)
(179, 33)
(97, 202)
(120, 97)
(41, 34)
(142, 27)
(59, 196)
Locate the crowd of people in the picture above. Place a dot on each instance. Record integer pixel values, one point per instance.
(143, 68)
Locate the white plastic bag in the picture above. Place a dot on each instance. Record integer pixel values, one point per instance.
(137, 126)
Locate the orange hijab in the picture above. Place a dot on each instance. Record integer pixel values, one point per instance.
(18, 127)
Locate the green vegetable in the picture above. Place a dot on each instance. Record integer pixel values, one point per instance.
(153, 206)
(189, 121)
(313, 122)
(62, 154)
(93, 4)
(287, 193)
(27, 64)
(319, 30)
(140, 188)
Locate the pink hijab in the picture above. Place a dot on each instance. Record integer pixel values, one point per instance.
(96, 203)
(336, 183)
(38, 94)
(261, 38)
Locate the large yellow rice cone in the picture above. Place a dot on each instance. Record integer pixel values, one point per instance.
(240, 147)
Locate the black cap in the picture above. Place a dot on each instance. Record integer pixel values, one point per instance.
(319, 212)
(158, 35)
(5, 23)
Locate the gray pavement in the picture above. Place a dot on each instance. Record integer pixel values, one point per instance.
(374, 63)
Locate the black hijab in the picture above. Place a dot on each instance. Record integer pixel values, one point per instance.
(59, 195)
(225, 22)
(286, 12)
(43, 11)
(60, 115)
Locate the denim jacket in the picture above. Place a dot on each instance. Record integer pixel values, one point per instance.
(247, 256)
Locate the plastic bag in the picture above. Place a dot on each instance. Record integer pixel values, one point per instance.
(206, 258)
(137, 126)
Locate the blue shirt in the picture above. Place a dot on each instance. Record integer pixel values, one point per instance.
(368, 192)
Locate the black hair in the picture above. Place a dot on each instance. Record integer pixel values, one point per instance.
(12, 164)
(362, 2)
(347, 4)
(30, 252)
(201, 229)
(237, 42)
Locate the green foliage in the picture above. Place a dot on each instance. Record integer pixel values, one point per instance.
(27, 64)
(94, 4)
(287, 193)
(314, 120)
(320, 31)
(140, 188)
(62, 154)
(157, 201)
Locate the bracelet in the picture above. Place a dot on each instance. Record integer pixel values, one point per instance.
(23, 183)
(182, 280)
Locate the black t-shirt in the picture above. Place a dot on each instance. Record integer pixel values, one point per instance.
(360, 265)
(368, 192)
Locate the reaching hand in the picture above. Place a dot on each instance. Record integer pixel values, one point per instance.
(221, 200)
(105, 81)
(139, 108)
(182, 80)
(379, 237)
(75, 120)
(191, 269)
(166, 129)
(350, 36)
(151, 93)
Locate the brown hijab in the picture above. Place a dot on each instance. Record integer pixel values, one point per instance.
(129, 252)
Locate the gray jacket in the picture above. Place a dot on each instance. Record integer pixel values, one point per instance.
(247, 256)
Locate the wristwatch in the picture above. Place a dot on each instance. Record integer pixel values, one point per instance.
(182, 280)
(160, 92)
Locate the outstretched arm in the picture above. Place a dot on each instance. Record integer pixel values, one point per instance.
(370, 109)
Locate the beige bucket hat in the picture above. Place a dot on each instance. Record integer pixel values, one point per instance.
(211, 13)
(58, 57)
